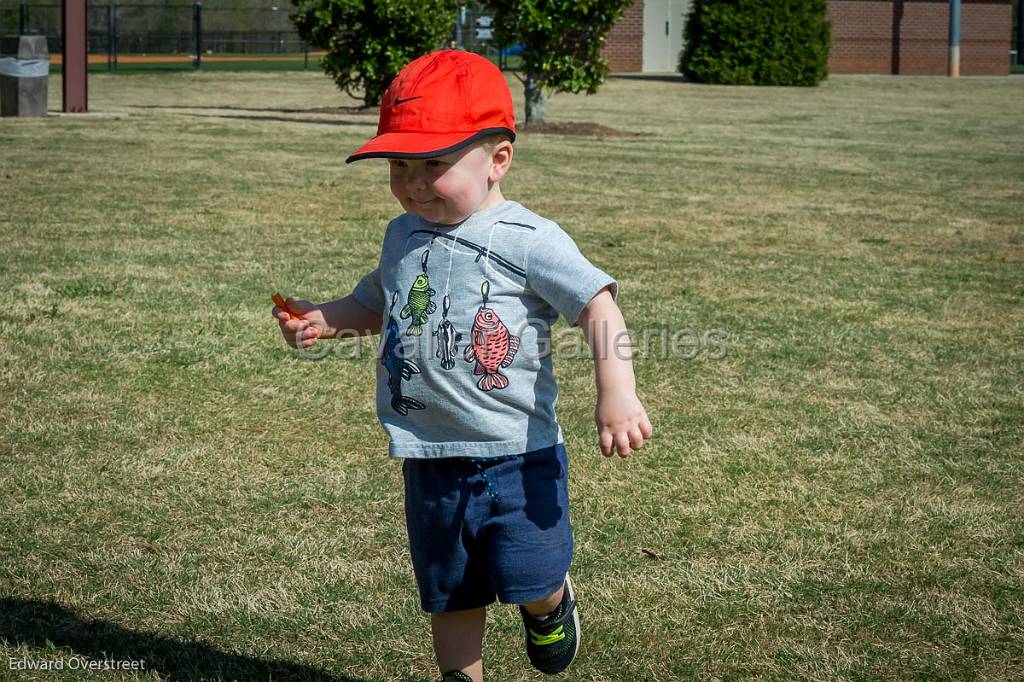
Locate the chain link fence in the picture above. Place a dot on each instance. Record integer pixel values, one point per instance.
(183, 35)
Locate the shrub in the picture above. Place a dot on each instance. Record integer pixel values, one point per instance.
(757, 42)
(368, 42)
(561, 44)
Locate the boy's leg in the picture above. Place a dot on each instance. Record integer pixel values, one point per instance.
(543, 607)
(552, 631)
(458, 641)
(450, 567)
(530, 550)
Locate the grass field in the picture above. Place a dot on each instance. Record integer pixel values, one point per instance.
(839, 497)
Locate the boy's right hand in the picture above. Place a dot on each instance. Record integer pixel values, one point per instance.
(302, 332)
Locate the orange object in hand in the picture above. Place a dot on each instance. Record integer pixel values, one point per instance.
(279, 302)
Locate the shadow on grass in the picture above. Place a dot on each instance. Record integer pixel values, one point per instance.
(357, 111)
(38, 624)
(282, 118)
(256, 116)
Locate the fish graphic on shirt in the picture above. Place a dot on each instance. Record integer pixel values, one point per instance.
(398, 367)
(447, 337)
(418, 305)
(492, 346)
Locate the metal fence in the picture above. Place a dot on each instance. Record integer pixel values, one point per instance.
(194, 32)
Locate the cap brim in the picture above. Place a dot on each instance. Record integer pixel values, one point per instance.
(422, 145)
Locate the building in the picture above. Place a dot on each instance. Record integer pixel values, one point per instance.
(907, 37)
(911, 37)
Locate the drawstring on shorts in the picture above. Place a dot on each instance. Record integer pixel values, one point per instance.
(483, 474)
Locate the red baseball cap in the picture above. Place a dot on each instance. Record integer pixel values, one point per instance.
(440, 103)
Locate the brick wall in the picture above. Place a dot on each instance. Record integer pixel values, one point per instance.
(924, 39)
(985, 39)
(909, 37)
(624, 45)
(861, 36)
(912, 37)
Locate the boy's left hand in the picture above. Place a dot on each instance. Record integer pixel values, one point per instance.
(622, 423)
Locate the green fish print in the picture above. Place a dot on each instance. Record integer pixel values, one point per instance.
(418, 305)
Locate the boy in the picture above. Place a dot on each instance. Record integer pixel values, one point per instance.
(465, 291)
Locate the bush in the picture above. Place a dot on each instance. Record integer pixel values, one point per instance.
(757, 42)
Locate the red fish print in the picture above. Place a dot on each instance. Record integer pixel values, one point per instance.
(492, 347)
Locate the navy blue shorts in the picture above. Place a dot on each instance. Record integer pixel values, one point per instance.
(486, 528)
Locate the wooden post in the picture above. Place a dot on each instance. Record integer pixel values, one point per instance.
(75, 67)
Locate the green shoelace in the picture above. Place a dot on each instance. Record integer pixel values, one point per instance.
(556, 635)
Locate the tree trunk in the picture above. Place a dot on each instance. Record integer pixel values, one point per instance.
(534, 99)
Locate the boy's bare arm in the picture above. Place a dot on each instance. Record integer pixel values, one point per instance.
(342, 318)
(622, 422)
(347, 318)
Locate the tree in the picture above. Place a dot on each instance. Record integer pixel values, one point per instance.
(562, 41)
(368, 42)
(757, 42)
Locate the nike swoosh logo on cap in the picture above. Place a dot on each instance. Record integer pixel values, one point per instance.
(407, 99)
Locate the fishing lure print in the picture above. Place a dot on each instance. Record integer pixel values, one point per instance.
(491, 345)
(419, 304)
(397, 366)
(447, 337)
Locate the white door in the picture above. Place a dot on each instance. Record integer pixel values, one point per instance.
(663, 33)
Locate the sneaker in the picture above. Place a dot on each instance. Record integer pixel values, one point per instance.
(553, 643)
(456, 676)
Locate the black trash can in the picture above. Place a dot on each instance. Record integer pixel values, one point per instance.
(24, 75)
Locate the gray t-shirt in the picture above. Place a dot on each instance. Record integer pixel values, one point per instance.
(465, 364)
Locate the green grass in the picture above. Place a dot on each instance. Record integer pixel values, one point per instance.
(839, 497)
